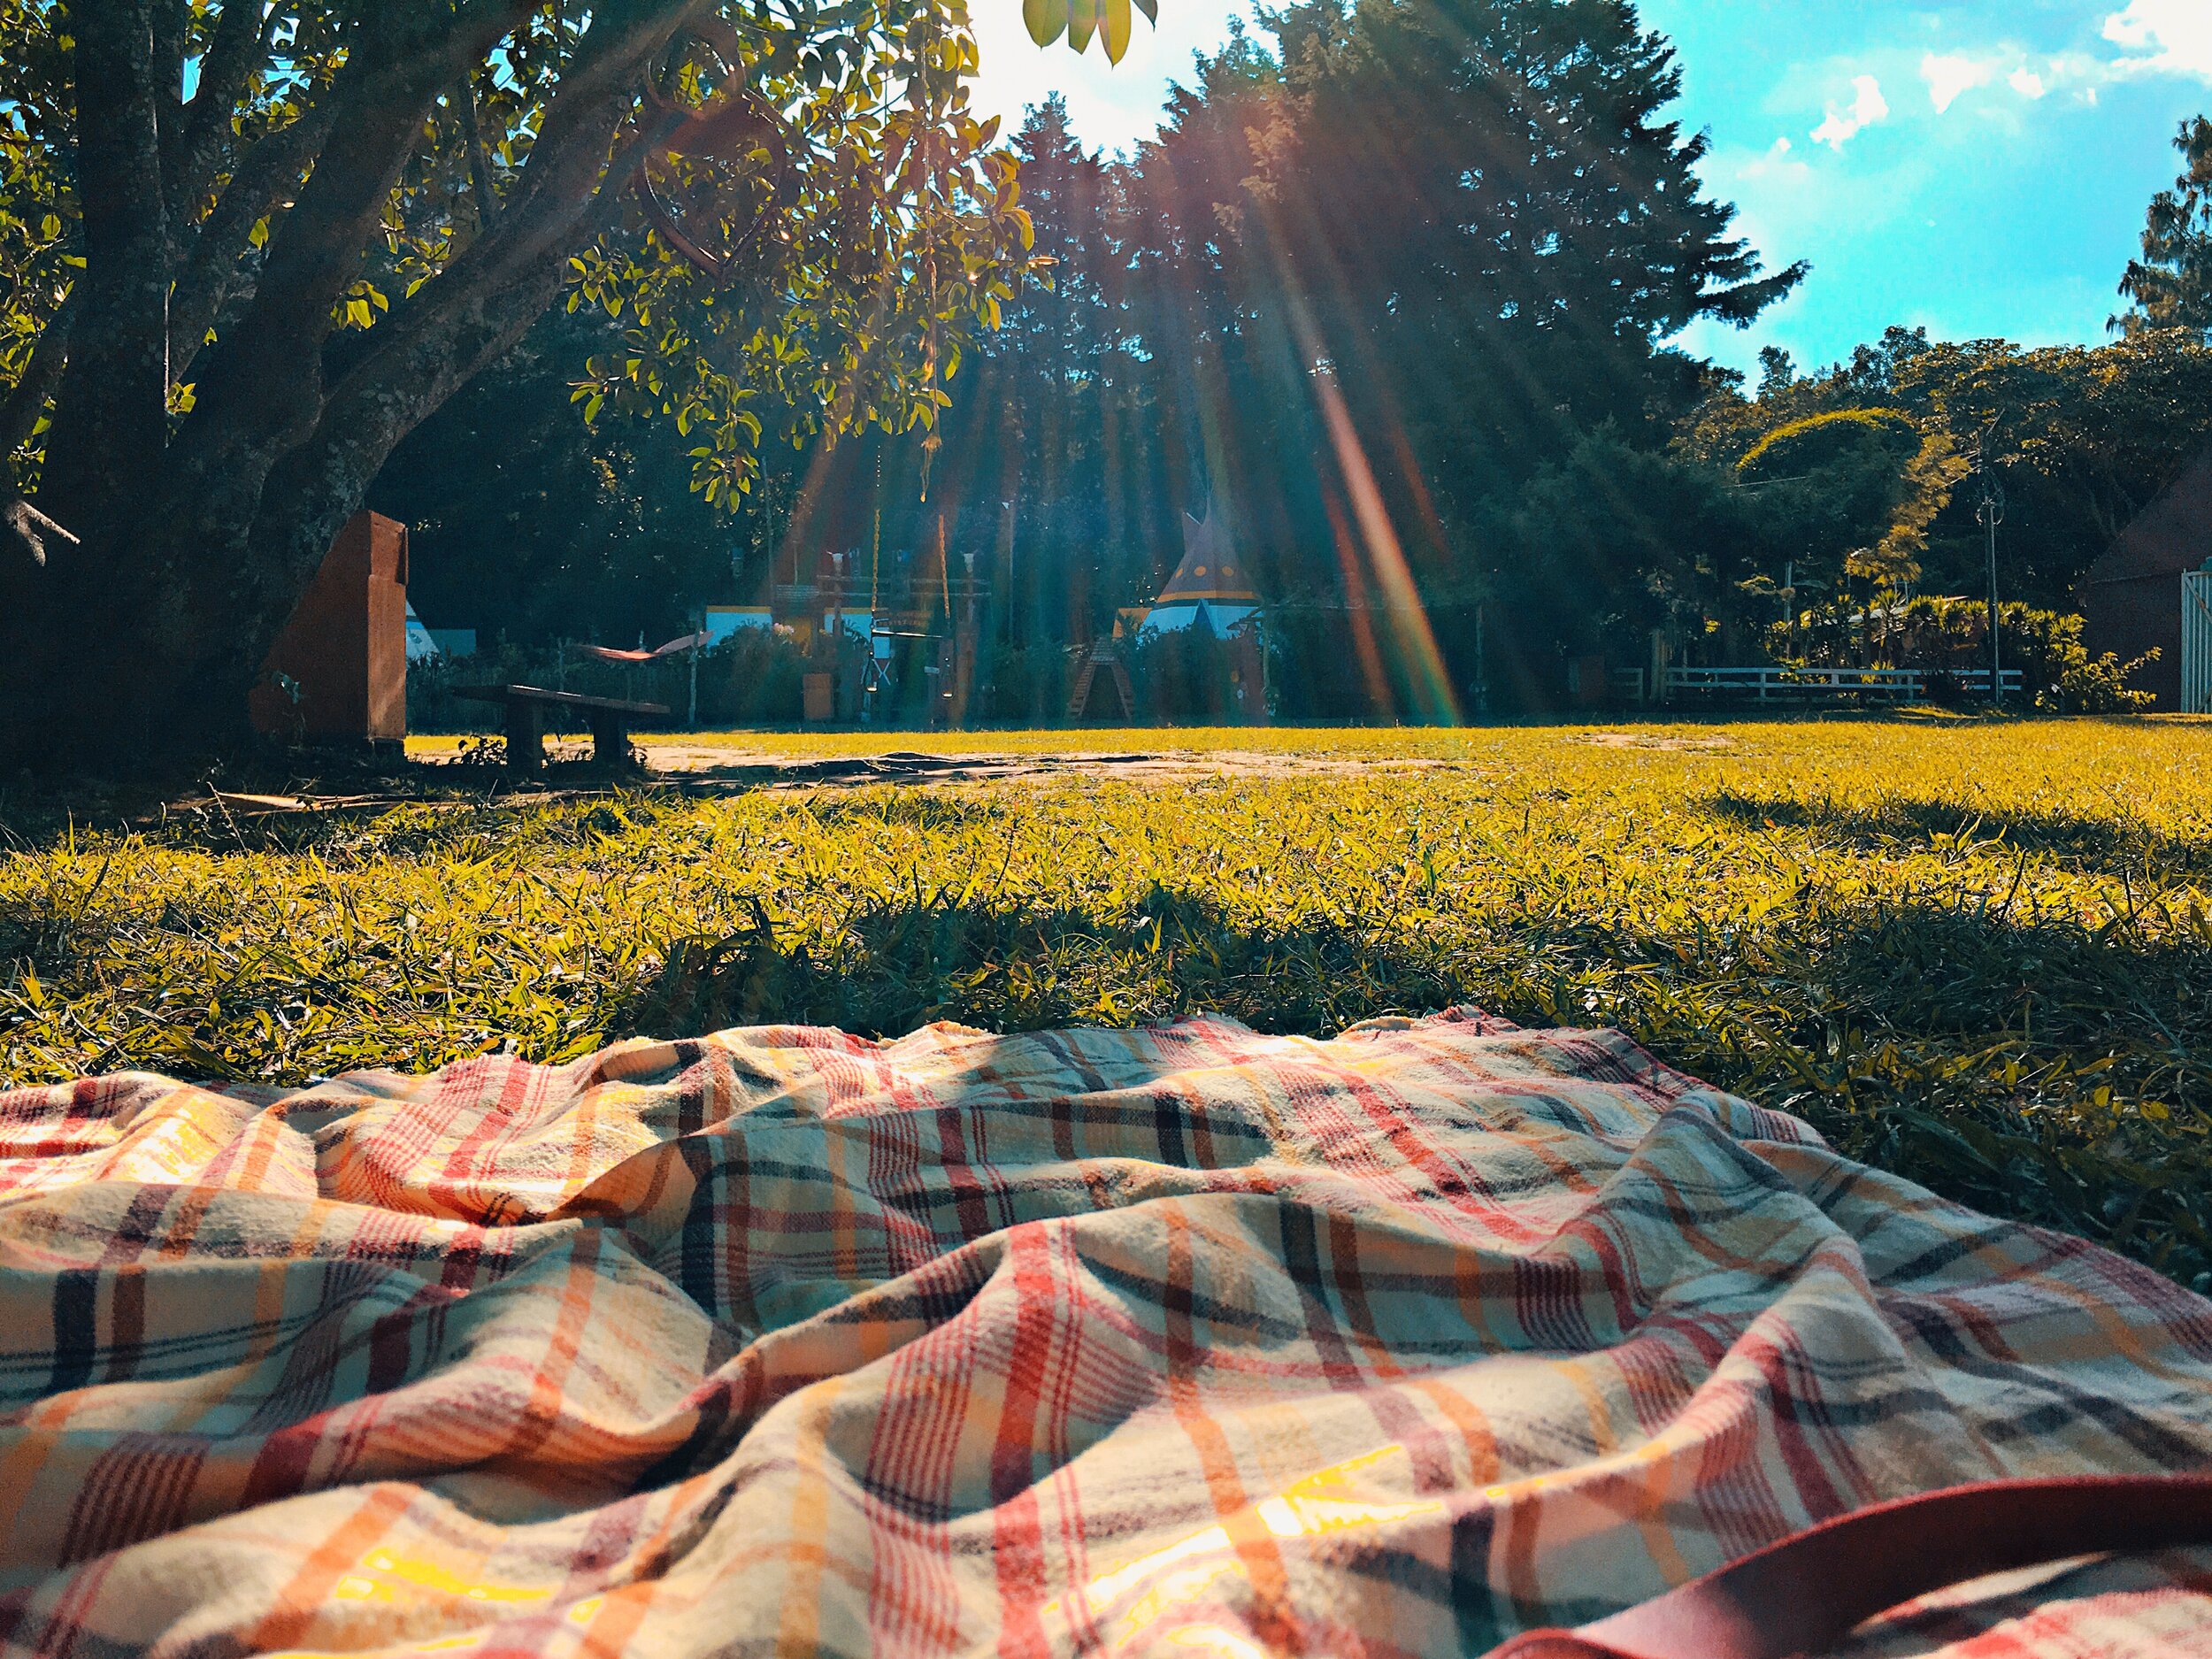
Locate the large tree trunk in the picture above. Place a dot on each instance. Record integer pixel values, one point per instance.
(145, 641)
(112, 406)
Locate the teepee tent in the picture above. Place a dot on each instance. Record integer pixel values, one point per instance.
(1209, 590)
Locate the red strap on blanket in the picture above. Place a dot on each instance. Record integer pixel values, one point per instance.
(1804, 1594)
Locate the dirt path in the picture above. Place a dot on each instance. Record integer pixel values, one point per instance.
(706, 770)
(701, 768)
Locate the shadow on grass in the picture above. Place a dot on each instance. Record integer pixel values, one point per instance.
(2029, 1068)
(2027, 1065)
(889, 966)
(2098, 843)
(912, 809)
(449, 809)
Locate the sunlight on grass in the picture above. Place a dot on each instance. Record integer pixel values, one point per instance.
(1977, 953)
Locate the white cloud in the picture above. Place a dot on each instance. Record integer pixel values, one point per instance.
(1778, 164)
(1843, 126)
(2174, 36)
(1950, 78)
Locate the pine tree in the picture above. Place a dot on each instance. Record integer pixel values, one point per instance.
(2171, 284)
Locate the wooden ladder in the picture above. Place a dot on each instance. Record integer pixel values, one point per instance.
(1102, 656)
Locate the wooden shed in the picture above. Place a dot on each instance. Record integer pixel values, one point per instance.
(338, 672)
(2132, 598)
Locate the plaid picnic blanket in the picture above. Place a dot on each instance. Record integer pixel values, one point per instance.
(1182, 1341)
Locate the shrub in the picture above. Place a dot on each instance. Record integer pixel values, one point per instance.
(1028, 683)
(2058, 675)
(1191, 677)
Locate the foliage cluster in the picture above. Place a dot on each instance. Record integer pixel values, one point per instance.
(1977, 954)
(525, 522)
(2084, 438)
(245, 249)
(1234, 318)
(1947, 636)
(2170, 286)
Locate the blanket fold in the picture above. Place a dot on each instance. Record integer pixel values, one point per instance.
(1178, 1341)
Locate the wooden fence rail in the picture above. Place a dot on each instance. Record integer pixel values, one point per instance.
(1799, 685)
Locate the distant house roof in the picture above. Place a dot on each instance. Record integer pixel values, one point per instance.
(421, 647)
(2171, 535)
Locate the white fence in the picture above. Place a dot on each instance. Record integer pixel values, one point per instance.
(2196, 643)
(1799, 684)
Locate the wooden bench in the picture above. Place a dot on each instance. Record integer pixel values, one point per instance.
(610, 720)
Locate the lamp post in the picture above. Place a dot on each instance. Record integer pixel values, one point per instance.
(1991, 513)
(1789, 602)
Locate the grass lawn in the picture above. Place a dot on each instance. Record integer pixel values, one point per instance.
(1976, 953)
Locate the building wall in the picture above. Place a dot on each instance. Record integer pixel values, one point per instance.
(2132, 617)
(2130, 599)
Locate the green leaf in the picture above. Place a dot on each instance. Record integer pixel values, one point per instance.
(1047, 19)
(1114, 28)
(1082, 23)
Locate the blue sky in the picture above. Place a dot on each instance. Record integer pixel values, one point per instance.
(1977, 166)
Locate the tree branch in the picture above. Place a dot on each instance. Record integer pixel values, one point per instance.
(27, 399)
(319, 485)
(474, 313)
(479, 168)
(265, 383)
(569, 177)
(213, 269)
(173, 20)
(241, 43)
(32, 531)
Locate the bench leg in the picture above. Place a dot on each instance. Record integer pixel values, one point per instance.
(610, 739)
(525, 749)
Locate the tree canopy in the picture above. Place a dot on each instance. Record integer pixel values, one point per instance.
(246, 248)
(2171, 284)
(649, 304)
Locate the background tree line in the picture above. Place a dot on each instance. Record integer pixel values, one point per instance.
(1392, 293)
(1373, 276)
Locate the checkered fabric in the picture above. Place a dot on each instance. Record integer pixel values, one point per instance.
(1185, 1340)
